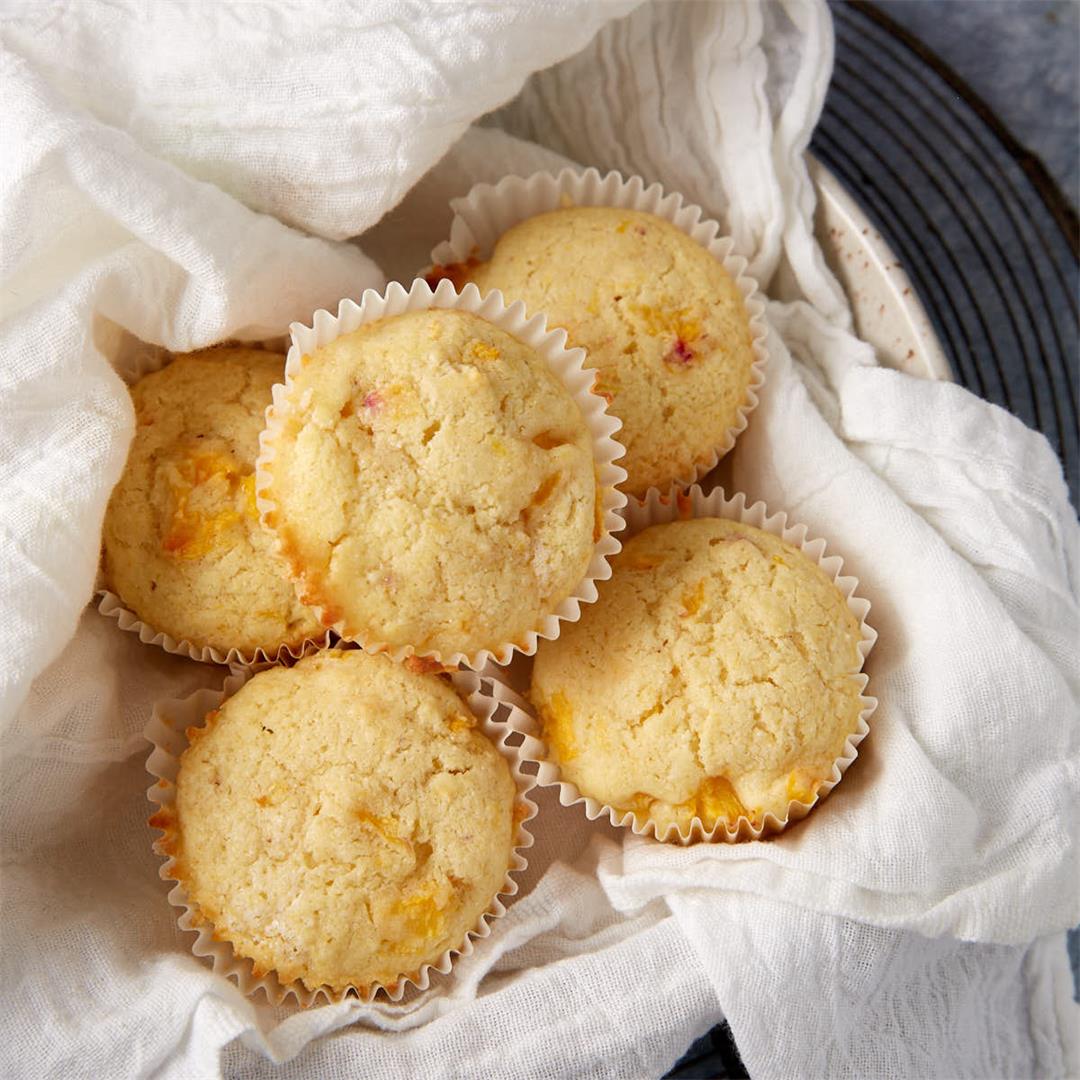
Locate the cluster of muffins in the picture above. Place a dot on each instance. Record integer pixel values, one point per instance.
(427, 482)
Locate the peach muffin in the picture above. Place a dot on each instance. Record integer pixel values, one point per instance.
(432, 483)
(183, 547)
(342, 822)
(714, 679)
(660, 318)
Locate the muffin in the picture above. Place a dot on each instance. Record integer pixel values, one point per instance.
(660, 318)
(432, 485)
(183, 547)
(342, 822)
(714, 678)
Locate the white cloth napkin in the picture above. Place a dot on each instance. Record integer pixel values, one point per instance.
(159, 163)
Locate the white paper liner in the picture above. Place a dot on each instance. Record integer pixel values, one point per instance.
(678, 505)
(167, 734)
(567, 364)
(489, 210)
(133, 366)
(110, 605)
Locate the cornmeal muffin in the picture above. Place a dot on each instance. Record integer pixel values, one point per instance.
(713, 678)
(433, 484)
(183, 547)
(341, 822)
(661, 319)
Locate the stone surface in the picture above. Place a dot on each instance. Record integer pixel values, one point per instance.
(1022, 57)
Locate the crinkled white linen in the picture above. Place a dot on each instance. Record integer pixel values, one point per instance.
(174, 174)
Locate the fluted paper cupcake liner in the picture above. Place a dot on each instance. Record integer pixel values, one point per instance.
(167, 734)
(145, 361)
(111, 606)
(659, 509)
(567, 364)
(489, 210)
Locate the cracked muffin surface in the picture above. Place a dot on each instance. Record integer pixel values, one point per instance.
(342, 822)
(714, 678)
(660, 318)
(433, 484)
(182, 544)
